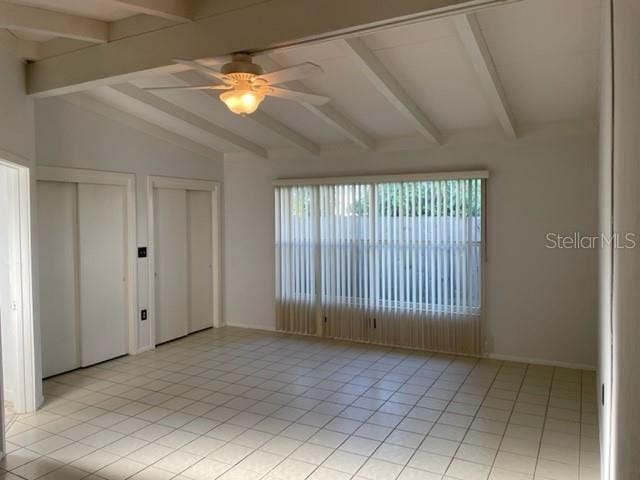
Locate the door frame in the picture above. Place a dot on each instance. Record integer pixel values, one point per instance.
(155, 181)
(127, 180)
(28, 375)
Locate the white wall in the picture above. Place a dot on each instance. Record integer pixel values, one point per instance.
(17, 144)
(541, 303)
(606, 227)
(16, 110)
(70, 136)
(622, 154)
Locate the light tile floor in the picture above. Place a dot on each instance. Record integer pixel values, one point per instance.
(243, 404)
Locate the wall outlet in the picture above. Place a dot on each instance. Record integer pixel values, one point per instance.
(143, 314)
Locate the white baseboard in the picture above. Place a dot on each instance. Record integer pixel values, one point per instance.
(539, 361)
(252, 326)
(143, 349)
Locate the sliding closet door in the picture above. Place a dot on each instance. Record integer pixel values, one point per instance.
(171, 264)
(57, 251)
(102, 274)
(200, 260)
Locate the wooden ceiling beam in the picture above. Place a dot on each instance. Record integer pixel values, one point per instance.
(177, 10)
(38, 20)
(478, 52)
(25, 49)
(389, 87)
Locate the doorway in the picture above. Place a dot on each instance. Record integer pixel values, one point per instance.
(19, 392)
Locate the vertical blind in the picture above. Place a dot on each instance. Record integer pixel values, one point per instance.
(389, 262)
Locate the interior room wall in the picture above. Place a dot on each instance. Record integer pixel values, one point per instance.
(16, 121)
(606, 228)
(17, 140)
(541, 303)
(70, 136)
(624, 151)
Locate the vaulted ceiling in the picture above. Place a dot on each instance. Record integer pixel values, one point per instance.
(508, 68)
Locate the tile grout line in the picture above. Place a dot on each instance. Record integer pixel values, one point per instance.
(474, 417)
(544, 423)
(436, 422)
(524, 377)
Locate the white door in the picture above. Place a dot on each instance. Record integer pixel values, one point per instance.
(102, 254)
(171, 264)
(57, 242)
(200, 260)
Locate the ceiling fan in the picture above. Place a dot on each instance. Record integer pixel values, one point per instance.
(245, 84)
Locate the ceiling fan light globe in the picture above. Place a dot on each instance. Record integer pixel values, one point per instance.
(242, 102)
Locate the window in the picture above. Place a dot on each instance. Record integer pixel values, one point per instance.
(348, 253)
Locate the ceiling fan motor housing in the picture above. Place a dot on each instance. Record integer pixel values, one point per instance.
(242, 63)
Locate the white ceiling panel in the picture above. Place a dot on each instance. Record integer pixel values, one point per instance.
(547, 55)
(552, 89)
(351, 93)
(411, 34)
(298, 118)
(316, 53)
(31, 35)
(440, 79)
(521, 31)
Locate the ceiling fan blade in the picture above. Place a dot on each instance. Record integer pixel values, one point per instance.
(192, 87)
(309, 98)
(203, 68)
(291, 73)
(215, 62)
